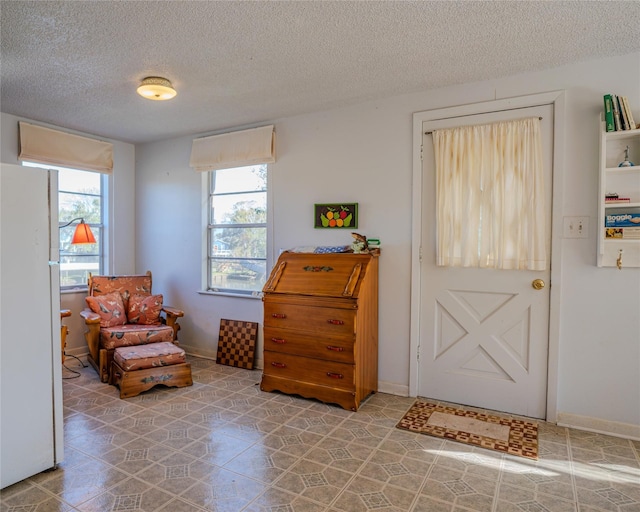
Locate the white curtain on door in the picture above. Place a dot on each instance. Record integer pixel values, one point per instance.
(490, 196)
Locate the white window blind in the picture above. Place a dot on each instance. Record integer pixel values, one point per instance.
(47, 146)
(234, 149)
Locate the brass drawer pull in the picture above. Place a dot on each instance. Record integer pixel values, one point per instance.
(335, 375)
(278, 315)
(335, 349)
(336, 322)
(278, 340)
(278, 365)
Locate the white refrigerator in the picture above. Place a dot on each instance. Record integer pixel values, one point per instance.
(31, 421)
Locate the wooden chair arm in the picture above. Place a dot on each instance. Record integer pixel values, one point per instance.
(175, 312)
(172, 315)
(65, 313)
(90, 317)
(92, 334)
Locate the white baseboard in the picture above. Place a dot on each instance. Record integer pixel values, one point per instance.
(77, 352)
(192, 351)
(392, 388)
(599, 426)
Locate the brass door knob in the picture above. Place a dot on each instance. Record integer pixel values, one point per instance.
(538, 284)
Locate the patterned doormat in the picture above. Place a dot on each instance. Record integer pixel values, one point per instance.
(508, 435)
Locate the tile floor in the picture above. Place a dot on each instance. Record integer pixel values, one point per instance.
(223, 445)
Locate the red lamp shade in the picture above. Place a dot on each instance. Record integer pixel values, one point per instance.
(83, 234)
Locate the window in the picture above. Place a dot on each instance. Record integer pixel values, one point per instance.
(80, 195)
(237, 230)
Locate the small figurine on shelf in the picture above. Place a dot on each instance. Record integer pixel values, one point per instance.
(626, 162)
(359, 245)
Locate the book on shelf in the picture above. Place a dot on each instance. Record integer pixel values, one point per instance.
(628, 233)
(617, 113)
(622, 220)
(624, 122)
(608, 200)
(608, 113)
(627, 108)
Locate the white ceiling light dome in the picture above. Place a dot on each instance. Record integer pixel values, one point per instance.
(156, 88)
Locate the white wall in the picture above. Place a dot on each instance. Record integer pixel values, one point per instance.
(121, 218)
(363, 154)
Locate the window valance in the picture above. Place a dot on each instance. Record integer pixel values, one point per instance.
(48, 146)
(234, 149)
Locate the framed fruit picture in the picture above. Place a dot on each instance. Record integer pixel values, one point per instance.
(336, 216)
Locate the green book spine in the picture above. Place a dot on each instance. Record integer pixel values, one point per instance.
(616, 113)
(608, 113)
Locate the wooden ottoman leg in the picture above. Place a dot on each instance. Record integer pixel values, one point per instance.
(115, 377)
(103, 369)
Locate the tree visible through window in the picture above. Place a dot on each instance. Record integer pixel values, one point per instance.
(237, 229)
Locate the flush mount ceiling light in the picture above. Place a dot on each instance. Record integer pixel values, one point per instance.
(156, 88)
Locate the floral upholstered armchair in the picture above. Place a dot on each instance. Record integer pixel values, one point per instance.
(122, 311)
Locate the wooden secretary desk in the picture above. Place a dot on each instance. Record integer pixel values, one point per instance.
(321, 327)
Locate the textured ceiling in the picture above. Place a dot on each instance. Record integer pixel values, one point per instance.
(76, 64)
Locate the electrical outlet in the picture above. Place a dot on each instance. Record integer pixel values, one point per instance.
(576, 227)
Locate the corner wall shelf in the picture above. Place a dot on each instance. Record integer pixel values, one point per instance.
(619, 245)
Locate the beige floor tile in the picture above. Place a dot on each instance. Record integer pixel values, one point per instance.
(217, 448)
(81, 483)
(276, 500)
(364, 494)
(223, 490)
(314, 481)
(33, 498)
(261, 463)
(292, 441)
(131, 494)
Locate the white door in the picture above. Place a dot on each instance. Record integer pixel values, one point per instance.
(483, 336)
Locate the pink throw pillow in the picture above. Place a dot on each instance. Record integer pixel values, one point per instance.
(144, 309)
(110, 307)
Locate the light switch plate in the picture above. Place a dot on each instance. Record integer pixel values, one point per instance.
(576, 227)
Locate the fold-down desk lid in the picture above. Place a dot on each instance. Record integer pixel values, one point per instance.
(327, 275)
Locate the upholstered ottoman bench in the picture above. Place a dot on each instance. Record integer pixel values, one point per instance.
(139, 368)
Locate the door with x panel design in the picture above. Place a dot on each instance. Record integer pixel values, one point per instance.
(483, 332)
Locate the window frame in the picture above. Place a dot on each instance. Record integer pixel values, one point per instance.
(99, 228)
(208, 227)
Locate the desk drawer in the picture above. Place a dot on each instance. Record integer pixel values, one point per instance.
(315, 346)
(315, 371)
(328, 322)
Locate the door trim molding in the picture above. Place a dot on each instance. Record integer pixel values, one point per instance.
(557, 100)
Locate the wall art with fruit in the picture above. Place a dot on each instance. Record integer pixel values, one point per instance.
(338, 215)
